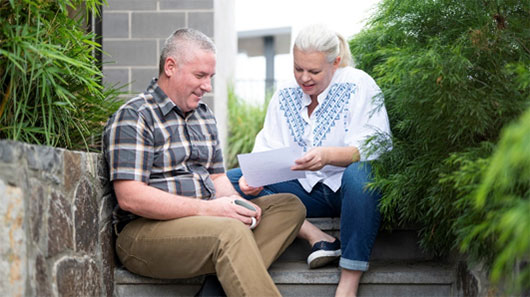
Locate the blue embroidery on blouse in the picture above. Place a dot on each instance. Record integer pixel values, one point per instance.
(335, 105)
(291, 104)
(332, 109)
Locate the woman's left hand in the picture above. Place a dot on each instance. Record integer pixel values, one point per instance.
(313, 160)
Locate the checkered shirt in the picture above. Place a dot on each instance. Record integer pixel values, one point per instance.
(149, 139)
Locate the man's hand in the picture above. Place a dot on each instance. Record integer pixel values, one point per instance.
(313, 160)
(248, 190)
(225, 207)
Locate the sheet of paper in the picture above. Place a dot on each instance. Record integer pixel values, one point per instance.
(274, 166)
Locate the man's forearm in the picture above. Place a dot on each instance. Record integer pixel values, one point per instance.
(149, 202)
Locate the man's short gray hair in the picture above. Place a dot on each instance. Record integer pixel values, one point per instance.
(179, 44)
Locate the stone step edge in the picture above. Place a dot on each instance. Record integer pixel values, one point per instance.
(326, 224)
(333, 224)
(298, 273)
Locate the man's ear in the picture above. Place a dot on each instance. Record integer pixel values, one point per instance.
(170, 66)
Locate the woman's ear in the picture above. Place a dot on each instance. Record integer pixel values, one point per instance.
(336, 63)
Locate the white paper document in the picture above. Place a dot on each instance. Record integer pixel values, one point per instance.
(274, 166)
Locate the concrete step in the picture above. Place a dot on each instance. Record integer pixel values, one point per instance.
(383, 279)
(398, 268)
(397, 245)
(295, 279)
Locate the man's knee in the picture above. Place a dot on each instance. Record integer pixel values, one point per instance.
(231, 230)
(296, 205)
(289, 203)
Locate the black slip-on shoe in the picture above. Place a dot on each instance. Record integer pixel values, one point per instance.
(323, 253)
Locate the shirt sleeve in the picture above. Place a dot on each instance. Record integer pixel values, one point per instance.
(217, 165)
(213, 161)
(368, 119)
(129, 146)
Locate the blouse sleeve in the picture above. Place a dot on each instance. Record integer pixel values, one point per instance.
(368, 118)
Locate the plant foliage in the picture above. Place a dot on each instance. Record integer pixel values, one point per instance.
(501, 209)
(245, 120)
(453, 74)
(50, 83)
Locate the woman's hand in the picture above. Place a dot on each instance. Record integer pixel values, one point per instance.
(319, 157)
(248, 190)
(313, 160)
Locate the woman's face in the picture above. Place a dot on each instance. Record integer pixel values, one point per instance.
(313, 72)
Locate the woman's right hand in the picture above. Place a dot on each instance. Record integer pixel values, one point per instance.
(248, 190)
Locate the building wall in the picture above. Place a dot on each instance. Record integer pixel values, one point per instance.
(134, 32)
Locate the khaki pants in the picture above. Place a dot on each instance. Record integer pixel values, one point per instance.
(197, 245)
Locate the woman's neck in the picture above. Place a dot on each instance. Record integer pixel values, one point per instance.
(311, 107)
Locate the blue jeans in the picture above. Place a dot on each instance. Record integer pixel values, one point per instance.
(356, 206)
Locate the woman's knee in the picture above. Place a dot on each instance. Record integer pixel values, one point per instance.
(355, 188)
(357, 174)
(234, 175)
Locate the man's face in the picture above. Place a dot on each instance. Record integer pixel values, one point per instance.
(190, 79)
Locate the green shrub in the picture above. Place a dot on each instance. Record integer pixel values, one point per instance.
(500, 210)
(453, 74)
(245, 120)
(49, 79)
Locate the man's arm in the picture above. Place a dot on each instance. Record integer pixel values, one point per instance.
(150, 202)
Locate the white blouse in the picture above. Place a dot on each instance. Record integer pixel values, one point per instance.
(349, 111)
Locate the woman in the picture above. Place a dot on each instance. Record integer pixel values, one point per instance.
(330, 111)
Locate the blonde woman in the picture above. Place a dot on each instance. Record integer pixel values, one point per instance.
(329, 110)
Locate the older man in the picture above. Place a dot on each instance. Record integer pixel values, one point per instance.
(176, 216)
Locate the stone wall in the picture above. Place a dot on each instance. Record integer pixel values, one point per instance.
(55, 212)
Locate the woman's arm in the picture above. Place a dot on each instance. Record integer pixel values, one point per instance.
(319, 157)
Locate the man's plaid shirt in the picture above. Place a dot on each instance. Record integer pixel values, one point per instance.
(149, 139)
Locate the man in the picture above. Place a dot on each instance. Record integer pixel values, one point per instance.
(176, 216)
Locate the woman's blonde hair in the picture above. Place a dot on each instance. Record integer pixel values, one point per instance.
(319, 38)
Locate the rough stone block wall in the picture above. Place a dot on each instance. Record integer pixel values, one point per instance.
(55, 214)
(134, 32)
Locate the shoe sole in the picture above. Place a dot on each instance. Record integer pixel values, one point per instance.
(321, 258)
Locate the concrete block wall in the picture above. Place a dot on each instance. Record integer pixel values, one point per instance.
(134, 32)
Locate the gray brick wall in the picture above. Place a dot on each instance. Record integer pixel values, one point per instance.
(134, 30)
